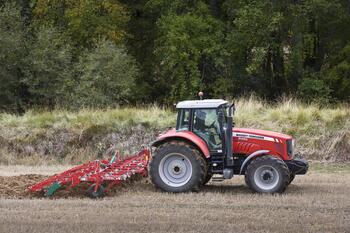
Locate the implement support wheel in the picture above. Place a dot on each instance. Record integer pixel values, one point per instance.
(100, 192)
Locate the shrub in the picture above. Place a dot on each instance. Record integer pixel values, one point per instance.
(107, 76)
(314, 90)
(12, 51)
(49, 68)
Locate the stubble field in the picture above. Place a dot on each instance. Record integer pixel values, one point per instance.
(317, 202)
(53, 141)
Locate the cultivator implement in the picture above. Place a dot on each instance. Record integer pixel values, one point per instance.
(100, 174)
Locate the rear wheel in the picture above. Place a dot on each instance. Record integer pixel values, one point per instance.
(177, 167)
(267, 174)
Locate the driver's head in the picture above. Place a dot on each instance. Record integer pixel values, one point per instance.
(201, 115)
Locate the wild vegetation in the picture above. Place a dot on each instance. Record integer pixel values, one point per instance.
(60, 136)
(86, 53)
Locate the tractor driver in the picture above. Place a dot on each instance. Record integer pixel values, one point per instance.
(199, 121)
(209, 132)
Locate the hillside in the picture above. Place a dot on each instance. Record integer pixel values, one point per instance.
(63, 137)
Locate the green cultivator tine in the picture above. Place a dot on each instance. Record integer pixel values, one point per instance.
(53, 188)
(113, 159)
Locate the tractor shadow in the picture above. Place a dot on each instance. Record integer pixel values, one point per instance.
(225, 188)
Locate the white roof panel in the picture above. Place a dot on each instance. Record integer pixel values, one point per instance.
(209, 103)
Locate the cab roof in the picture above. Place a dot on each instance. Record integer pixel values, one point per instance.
(207, 103)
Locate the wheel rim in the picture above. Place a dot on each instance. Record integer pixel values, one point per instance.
(175, 170)
(266, 177)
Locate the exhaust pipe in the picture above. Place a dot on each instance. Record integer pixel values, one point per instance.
(229, 155)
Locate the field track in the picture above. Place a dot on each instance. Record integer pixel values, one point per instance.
(318, 202)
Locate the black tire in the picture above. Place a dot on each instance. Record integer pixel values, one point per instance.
(189, 154)
(291, 178)
(207, 178)
(100, 192)
(267, 174)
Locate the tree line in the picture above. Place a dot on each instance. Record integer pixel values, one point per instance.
(74, 53)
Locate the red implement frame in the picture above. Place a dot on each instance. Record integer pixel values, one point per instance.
(98, 172)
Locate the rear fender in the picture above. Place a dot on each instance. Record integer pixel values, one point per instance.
(187, 136)
(252, 156)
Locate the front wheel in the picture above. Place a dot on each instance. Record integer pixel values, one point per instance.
(291, 178)
(267, 174)
(177, 167)
(207, 178)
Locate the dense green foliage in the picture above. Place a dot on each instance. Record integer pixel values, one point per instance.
(12, 51)
(107, 76)
(109, 52)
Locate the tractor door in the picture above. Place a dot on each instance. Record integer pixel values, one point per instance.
(206, 125)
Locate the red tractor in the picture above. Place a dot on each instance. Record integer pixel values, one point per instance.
(205, 146)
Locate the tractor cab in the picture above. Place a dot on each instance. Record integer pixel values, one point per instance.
(210, 120)
(206, 119)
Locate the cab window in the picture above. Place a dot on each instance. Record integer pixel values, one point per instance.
(183, 119)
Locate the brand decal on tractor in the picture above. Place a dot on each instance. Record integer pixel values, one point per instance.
(243, 136)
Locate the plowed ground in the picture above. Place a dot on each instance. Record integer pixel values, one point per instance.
(17, 187)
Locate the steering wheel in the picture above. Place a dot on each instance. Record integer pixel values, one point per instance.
(217, 130)
(211, 125)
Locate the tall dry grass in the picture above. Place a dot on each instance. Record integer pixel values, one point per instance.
(150, 116)
(323, 133)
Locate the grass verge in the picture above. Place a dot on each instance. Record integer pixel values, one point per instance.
(322, 133)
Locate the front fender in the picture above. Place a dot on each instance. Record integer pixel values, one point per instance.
(251, 156)
(187, 136)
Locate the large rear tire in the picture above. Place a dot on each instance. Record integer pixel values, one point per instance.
(177, 167)
(267, 174)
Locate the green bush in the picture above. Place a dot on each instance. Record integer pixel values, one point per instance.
(50, 70)
(314, 90)
(12, 51)
(338, 77)
(107, 76)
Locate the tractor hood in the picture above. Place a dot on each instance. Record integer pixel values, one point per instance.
(260, 132)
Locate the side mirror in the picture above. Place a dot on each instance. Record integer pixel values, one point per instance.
(231, 110)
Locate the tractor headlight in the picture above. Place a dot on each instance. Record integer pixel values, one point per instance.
(293, 143)
(290, 147)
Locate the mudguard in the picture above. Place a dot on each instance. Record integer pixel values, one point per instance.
(185, 136)
(251, 156)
